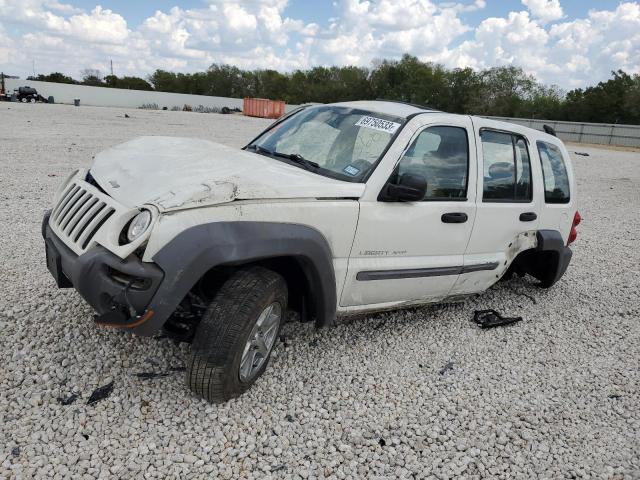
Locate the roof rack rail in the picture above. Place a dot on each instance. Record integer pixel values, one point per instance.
(424, 107)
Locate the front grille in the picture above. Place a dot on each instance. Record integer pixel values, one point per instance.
(79, 215)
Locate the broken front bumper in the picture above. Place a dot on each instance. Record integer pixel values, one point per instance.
(119, 290)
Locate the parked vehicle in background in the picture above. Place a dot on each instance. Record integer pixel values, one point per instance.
(29, 95)
(333, 210)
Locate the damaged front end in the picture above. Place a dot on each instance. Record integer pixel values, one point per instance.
(120, 290)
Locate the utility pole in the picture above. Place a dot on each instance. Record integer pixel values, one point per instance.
(111, 68)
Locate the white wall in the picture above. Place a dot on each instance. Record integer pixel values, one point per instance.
(116, 97)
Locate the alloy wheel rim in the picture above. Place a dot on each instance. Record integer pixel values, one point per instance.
(260, 342)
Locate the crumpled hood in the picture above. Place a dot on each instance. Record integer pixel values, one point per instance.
(175, 173)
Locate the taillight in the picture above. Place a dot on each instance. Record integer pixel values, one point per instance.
(573, 234)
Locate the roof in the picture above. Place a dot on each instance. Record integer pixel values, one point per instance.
(388, 107)
(401, 109)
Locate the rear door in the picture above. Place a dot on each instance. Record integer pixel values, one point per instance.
(413, 251)
(508, 204)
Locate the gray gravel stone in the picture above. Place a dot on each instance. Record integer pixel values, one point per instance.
(554, 396)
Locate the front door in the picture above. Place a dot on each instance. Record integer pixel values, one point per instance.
(411, 252)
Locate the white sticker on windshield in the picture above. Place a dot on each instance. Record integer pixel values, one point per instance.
(378, 124)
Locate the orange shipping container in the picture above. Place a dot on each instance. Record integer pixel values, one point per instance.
(263, 108)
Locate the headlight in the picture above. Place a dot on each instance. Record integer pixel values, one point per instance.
(139, 225)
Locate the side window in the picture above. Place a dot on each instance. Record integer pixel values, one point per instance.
(506, 167)
(441, 156)
(554, 171)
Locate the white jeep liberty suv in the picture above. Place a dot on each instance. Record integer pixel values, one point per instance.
(333, 210)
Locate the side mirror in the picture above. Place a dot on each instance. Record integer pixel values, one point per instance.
(410, 188)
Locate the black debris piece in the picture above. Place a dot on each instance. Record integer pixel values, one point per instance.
(420, 365)
(446, 368)
(289, 418)
(313, 343)
(225, 110)
(86, 437)
(278, 468)
(491, 318)
(615, 396)
(382, 442)
(15, 451)
(100, 393)
(177, 369)
(69, 399)
(283, 340)
(583, 154)
(150, 375)
(126, 115)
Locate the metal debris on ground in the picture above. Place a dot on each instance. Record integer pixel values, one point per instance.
(491, 318)
(100, 393)
(582, 154)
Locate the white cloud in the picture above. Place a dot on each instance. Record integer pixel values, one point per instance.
(260, 34)
(545, 10)
(6, 47)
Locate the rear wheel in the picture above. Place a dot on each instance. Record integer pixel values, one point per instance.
(23, 99)
(237, 333)
(32, 100)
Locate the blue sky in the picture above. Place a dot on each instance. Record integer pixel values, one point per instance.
(319, 11)
(570, 43)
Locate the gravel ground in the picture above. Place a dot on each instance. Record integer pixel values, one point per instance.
(422, 393)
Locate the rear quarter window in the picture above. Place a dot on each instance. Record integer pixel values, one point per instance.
(554, 172)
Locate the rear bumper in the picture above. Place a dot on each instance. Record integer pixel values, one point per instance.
(119, 290)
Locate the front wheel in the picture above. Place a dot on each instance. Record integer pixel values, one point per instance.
(237, 333)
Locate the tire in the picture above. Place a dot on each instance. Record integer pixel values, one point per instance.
(222, 338)
(32, 100)
(23, 99)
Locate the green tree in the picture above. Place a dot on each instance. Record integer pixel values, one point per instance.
(55, 77)
(132, 83)
(92, 77)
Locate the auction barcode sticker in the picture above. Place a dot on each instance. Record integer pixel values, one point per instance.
(378, 124)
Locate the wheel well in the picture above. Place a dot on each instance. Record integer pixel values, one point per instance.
(291, 268)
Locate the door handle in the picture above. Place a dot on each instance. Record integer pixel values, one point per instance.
(528, 216)
(454, 217)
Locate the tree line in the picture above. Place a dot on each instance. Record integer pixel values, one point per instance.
(499, 91)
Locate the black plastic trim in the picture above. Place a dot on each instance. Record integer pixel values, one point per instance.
(550, 241)
(198, 249)
(365, 276)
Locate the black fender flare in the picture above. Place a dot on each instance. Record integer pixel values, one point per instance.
(196, 250)
(557, 258)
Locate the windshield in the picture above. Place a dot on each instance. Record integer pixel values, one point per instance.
(337, 142)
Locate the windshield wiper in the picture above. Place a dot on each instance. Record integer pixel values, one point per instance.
(294, 157)
(299, 159)
(259, 149)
